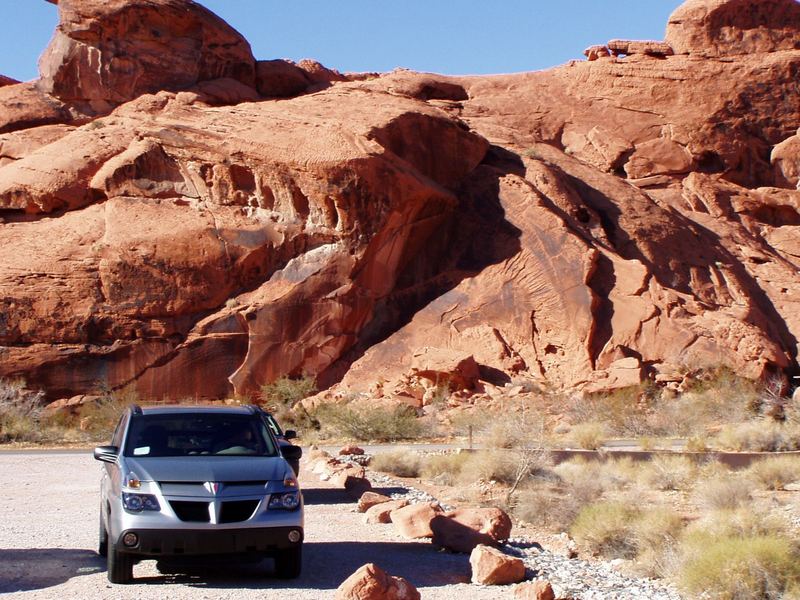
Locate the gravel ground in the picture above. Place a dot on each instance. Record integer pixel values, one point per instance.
(48, 533)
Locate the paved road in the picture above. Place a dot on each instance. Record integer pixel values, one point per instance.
(48, 531)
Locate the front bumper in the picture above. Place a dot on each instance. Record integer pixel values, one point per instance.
(197, 542)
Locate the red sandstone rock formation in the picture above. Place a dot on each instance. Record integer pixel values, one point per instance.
(587, 226)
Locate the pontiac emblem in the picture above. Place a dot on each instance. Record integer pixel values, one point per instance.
(213, 487)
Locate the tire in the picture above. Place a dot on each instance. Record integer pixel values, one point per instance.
(119, 565)
(289, 563)
(102, 542)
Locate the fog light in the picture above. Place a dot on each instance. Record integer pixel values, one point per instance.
(130, 539)
(294, 536)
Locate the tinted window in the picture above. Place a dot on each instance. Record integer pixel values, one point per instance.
(116, 439)
(198, 434)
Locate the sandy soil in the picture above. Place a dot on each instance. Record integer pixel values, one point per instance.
(48, 534)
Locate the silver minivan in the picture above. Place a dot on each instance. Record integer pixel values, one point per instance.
(186, 481)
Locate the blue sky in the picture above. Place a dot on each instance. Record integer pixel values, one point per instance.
(466, 37)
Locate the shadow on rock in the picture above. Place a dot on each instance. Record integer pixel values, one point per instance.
(39, 568)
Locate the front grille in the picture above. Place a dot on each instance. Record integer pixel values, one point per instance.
(196, 512)
(236, 511)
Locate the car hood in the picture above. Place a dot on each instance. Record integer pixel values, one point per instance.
(217, 468)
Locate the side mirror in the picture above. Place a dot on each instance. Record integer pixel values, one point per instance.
(107, 454)
(290, 434)
(292, 452)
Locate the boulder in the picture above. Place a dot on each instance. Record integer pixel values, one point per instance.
(598, 51)
(492, 567)
(463, 529)
(734, 27)
(350, 450)
(106, 52)
(370, 582)
(382, 513)
(534, 590)
(370, 499)
(24, 105)
(357, 486)
(414, 521)
(658, 157)
(786, 160)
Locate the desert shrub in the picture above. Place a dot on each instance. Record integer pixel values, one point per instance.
(666, 472)
(655, 534)
(741, 522)
(288, 391)
(371, 423)
(100, 417)
(546, 506)
(730, 567)
(589, 436)
(723, 493)
(697, 443)
(775, 472)
(445, 469)
(585, 480)
(606, 529)
(489, 465)
(762, 435)
(20, 411)
(403, 463)
(647, 443)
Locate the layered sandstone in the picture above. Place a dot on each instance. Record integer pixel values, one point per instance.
(203, 227)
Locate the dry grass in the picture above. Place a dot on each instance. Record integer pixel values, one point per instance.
(655, 534)
(666, 472)
(723, 493)
(588, 436)
(738, 568)
(402, 463)
(606, 529)
(762, 435)
(775, 472)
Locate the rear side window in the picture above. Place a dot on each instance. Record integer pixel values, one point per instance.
(198, 434)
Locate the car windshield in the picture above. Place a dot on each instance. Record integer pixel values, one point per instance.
(198, 434)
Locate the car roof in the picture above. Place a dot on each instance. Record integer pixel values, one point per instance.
(194, 409)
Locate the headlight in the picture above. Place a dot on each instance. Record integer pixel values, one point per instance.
(284, 501)
(140, 502)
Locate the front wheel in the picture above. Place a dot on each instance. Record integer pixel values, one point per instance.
(289, 563)
(119, 565)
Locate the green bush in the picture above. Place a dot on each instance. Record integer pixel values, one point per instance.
(371, 424)
(283, 398)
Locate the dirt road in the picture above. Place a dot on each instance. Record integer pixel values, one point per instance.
(48, 533)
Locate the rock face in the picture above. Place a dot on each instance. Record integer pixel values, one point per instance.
(733, 27)
(629, 217)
